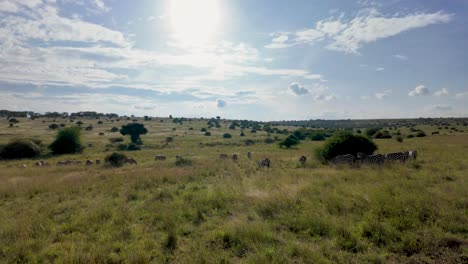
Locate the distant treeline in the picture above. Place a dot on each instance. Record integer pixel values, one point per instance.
(360, 123)
(89, 114)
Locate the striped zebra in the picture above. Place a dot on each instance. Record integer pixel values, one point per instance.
(378, 159)
(400, 156)
(264, 163)
(343, 159)
(411, 155)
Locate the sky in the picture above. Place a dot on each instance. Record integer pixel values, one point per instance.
(238, 59)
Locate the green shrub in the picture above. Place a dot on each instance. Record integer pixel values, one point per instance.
(227, 135)
(399, 138)
(20, 149)
(345, 143)
(115, 159)
(420, 133)
(299, 135)
(67, 141)
(242, 134)
(317, 137)
(371, 131)
(53, 126)
(269, 140)
(382, 134)
(203, 129)
(133, 147)
(114, 129)
(207, 134)
(183, 162)
(290, 141)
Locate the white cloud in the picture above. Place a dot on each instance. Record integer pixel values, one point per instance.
(441, 92)
(419, 91)
(400, 57)
(461, 95)
(220, 103)
(380, 69)
(382, 95)
(442, 107)
(298, 89)
(368, 26)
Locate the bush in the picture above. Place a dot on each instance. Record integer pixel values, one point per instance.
(114, 129)
(399, 138)
(249, 142)
(371, 131)
(290, 141)
(269, 140)
(116, 159)
(345, 143)
(62, 125)
(67, 141)
(129, 147)
(203, 129)
(227, 135)
(242, 134)
(53, 126)
(420, 133)
(317, 137)
(382, 134)
(183, 162)
(20, 149)
(207, 134)
(13, 120)
(299, 135)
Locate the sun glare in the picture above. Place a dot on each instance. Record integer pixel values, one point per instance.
(194, 21)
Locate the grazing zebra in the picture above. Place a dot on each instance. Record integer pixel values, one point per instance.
(302, 160)
(343, 159)
(411, 155)
(89, 163)
(223, 156)
(401, 156)
(23, 166)
(159, 157)
(234, 157)
(264, 163)
(39, 163)
(249, 155)
(130, 161)
(378, 159)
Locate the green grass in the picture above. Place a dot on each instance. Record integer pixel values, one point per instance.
(216, 211)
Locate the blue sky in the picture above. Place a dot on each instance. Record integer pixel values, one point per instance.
(262, 60)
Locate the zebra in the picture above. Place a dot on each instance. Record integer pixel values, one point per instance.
(411, 155)
(378, 159)
(401, 156)
(249, 155)
(159, 157)
(302, 160)
(89, 162)
(39, 163)
(234, 157)
(264, 163)
(223, 156)
(343, 159)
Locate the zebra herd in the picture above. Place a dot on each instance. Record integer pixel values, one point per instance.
(377, 159)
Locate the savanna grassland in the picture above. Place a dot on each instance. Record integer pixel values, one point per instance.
(225, 212)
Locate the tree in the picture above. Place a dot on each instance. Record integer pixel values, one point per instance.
(134, 130)
(20, 149)
(290, 141)
(227, 135)
(345, 143)
(67, 141)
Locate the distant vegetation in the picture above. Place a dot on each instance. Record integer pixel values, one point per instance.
(134, 130)
(68, 140)
(345, 143)
(20, 149)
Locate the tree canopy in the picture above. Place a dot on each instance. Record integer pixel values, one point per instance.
(134, 130)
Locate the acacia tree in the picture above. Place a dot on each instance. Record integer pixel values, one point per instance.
(134, 130)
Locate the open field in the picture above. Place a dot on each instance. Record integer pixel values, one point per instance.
(224, 212)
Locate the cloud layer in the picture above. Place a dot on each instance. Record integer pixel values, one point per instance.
(349, 36)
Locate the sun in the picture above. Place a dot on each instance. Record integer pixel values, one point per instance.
(194, 21)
